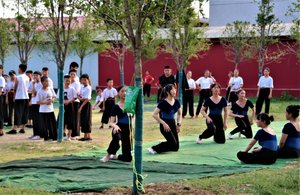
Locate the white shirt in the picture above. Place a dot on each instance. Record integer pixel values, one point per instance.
(76, 85)
(30, 87)
(22, 90)
(237, 82)
(77, 79)
(10, 85)
(2, 82)
(192, 84)
(86, 92)
(205, 83)
(109, 93)
(265, 82)
(37, 87)
(50, 82)
(69, 94)
(99, 98)
(44, 95)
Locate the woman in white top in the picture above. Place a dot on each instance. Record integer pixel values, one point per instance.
(236, 83)
(204, 83)
(188, 98)
(264, 92)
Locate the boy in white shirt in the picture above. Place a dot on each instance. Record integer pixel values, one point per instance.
(2, 85)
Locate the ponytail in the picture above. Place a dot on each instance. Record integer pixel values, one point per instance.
(165, 91)
(265, 117)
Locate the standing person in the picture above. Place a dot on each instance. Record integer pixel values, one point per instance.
(74, 66)
(236, 83)
(45, 98)
(264, 92)
(289, 146)
(230, 75)
(240, 115)
(214, 121)
(109, 95)
(85, 110)
(77, 86)
(21, 99)
(45, 72)
(188, 98)
(4, 106)
(2, 85)
(164, 114)
(165, 79)
(36, 86)
(9, 98)
(266, 137)
(203, 83)
(29, 74)
(121, 124)
(148, 79)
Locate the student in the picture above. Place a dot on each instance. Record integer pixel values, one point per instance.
(77, 86)
(203, 83)
(36, 86)
(164, 114)
(230, 75)
(148, 79)
(240, 115)
(109, 95)
(2, 85)
(85, 110)
(214, 120)
(165, 79)
(69, 96)
(29, 74)
(188, 98)
(9, 98)
(236, 83)
(264, 92)
(21, 100)
(289, 146)
(45, 98)
(99, 100)
(45, 72)
(121, 124)
(74, 66)
(266, 137)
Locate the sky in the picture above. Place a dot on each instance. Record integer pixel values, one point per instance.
(7, 13)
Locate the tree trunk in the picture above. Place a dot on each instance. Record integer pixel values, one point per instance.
(138, 130)
(180, 89)
(122, 82)
(261, 55)
(81, 64)
(60, 76)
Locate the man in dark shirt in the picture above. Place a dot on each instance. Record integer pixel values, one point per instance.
(165, 79)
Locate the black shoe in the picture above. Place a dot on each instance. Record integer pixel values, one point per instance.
(22, 131)
(28, 126)
(13, 131)
(82, 139)
(101, 127)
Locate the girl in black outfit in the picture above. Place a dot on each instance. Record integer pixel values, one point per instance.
(121, 123)
(165, 115)
(240, 114)
(214, 120)
(289, 146)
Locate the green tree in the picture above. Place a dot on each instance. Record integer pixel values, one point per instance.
(236, 41)
(5, 40)
(185, 40)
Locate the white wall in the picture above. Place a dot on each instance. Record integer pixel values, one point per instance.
(40, 59)
(222, 12)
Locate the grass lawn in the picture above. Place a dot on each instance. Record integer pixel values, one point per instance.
(267, 181)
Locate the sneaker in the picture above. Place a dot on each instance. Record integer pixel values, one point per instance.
(13, 131)
(104, 159)
(36, 137)
(65, 138)
(74, 138)
(151, 151)
(22, 131)
(198, 140)
(31, 137)
(113, 157)
(229, 136)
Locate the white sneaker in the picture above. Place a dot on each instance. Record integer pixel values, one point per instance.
(113, 157)
(31, 137)
(65, 138)
(151, 151)
(198, 140)
(104, 159)
(36, 137)
(229, 136)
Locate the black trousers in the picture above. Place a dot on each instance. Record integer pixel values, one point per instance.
(4, 108)
(204, 95)
(36, 120)
(69, 116)
(48, 125)
(21, 112)
(75, 129)
(10, 110)
(109, 103)
(215, 129)
(263, 96)
(1, 112)
(243, 126)
(233, 97)
(124, 137)
(158, 95)
(188, 100)
(287, 152)
(147, 89)
(172, 143)
(86, 118)
(265, 157)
